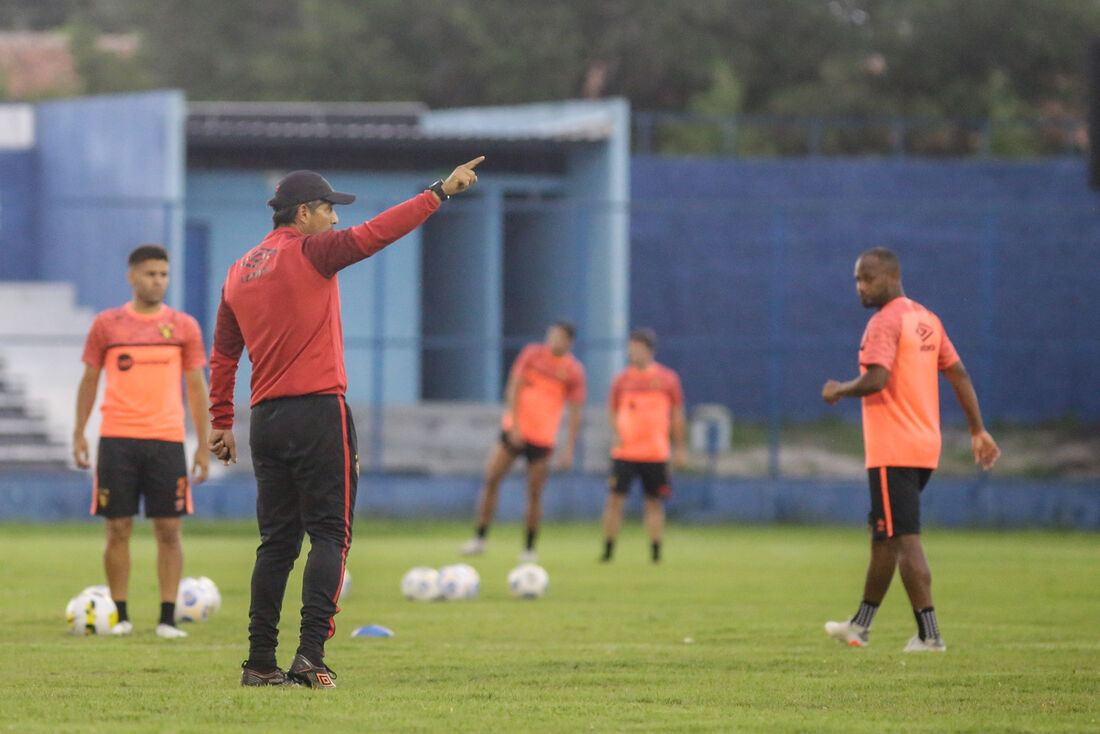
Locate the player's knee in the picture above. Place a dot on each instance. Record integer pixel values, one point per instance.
(118, 530)
(167, 534)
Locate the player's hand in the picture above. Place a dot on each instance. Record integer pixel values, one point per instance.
(80, 451)
(200, 470)
(515, 439)
(462, 177)
(565, 461)
(830, 393)
(985, 449)
(223, 445)
(679, 457)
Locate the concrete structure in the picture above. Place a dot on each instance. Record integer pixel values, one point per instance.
(439, 316)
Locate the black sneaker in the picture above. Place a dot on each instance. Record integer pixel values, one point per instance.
(310, 674)
(250, 677)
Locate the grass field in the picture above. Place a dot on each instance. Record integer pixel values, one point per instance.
(725, 635)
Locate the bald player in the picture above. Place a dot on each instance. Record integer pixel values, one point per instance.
(903, 351)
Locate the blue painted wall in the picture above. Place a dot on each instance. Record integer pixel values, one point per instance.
(950, 502)
(110, 177)
(745, 270)
(18, 240)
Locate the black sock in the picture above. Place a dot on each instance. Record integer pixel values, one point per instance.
(313, 655)
(123, 615)
(608, 549)
(482, 530)
(168, 613)
(866, 614)
(655, 546)
(927, 626)
(263, 668)
(531, 535)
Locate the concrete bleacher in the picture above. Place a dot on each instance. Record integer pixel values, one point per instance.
(42, 332)
(455, 438)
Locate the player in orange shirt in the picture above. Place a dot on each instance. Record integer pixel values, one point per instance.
(543, 380)
(146, 348)
(902, 353)
(645, 405)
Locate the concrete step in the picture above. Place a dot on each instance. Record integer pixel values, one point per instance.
(40, 309)
(29, 457)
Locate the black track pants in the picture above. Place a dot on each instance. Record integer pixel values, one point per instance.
(306, 463)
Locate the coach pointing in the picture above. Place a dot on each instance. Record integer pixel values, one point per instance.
(281, 301)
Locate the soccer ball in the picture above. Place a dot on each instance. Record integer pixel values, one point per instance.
(213, 595)
(345, 586)
(91, 614)
(194, 601)
(99, 590)
(528, 581)
(459, 581)
(420, 584)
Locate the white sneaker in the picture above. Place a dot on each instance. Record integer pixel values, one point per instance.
(122, 628)
(169, 632)
(473, 547)
(916, 644)
(528, 556)
(853, 635)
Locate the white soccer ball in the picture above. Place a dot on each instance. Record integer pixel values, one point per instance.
(459, 581)
(420, 584)
(345, 586)
(99, 590)
(211, 590)
(91, 614)
(194, 603)
(528, 581)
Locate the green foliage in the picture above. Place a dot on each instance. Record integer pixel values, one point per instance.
(840, 59)
(607, 650)
(103, 72)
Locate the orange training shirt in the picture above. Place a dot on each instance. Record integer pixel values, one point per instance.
(643, 401)
(901, 423)
(144, 356)
(546, 383)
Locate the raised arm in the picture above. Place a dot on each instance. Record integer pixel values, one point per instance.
(985, 448)
(332, 251)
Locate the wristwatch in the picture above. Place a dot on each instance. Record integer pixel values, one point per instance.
(437, 187)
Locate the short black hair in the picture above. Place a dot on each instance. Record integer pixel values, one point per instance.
(567, 326)
(884, 255)
(646, 336)
(288, 214)
(147, 252)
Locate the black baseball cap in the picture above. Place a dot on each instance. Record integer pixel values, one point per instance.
(299, 187)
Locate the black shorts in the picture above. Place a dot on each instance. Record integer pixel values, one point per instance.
(128, 469)
(530, 451)
(895, 500)
(654, 476)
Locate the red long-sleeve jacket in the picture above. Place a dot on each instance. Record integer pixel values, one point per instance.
(281, 301)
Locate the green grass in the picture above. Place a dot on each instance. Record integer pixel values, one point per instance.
(606, 650)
